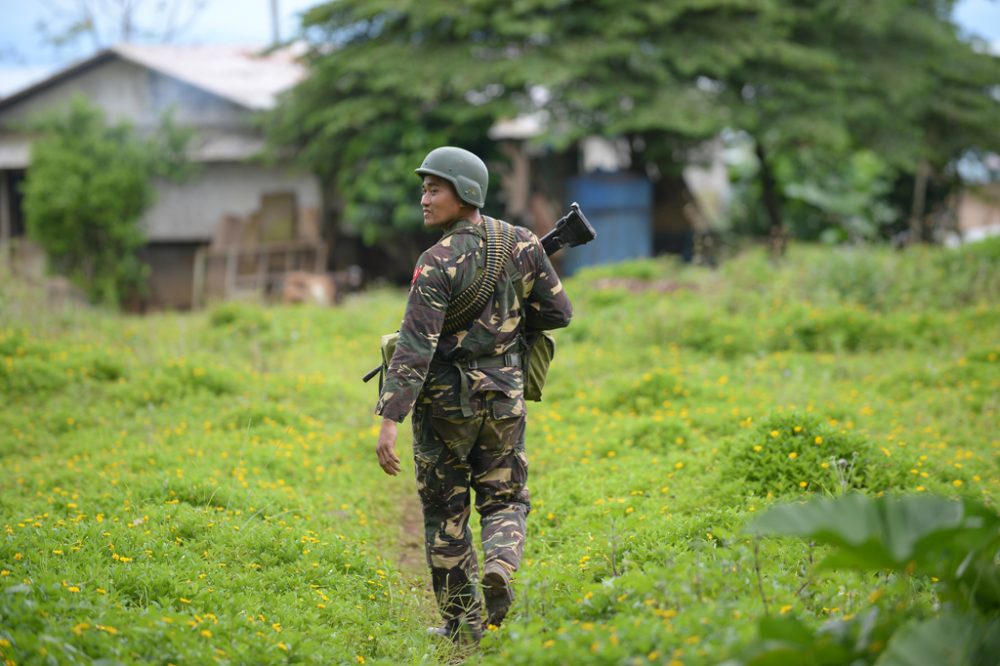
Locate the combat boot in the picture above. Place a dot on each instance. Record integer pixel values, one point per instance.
(438, 631)
(497, 593)
(459, 633)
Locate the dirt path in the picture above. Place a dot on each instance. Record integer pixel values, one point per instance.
(408, 550)
(410, 545)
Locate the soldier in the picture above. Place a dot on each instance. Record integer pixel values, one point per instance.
(466, 393)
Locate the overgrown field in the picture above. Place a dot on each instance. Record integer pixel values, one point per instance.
(203, 488)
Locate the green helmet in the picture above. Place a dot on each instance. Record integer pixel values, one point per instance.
(462, 169)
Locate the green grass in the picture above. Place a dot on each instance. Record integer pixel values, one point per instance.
(203, 488)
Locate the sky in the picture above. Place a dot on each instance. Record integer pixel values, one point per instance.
(26, 58)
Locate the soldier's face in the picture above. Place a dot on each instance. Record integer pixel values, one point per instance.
(440, 203)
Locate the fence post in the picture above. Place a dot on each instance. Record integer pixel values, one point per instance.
(198, 281)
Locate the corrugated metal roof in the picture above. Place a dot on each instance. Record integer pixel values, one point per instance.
(237, 73)
(240, 74)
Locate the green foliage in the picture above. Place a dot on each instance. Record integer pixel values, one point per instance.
(827, 195)
(954, 541)
(837, 99)
(227, 458)
(954, 638)
(792, 453)
(916, 534)
(787, 641)
(34, 368)
(87, 188)
(885, 282)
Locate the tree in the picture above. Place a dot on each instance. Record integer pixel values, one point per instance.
(894, 78)
(832, 77)
(386, 84)
(106, 22)
(86, 190)
(374, 105)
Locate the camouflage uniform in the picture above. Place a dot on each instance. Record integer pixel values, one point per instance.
(471, 436)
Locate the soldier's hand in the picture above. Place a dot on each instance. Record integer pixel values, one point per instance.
(386, 448)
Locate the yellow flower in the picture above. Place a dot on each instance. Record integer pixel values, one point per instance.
(957, 483)
(785, 608)
(73, 588)
(793, 455)
(803, 484)
(775, 433)
(679, 465)
(818, 440)
(360, 659)
(757, 448)
(206, 633)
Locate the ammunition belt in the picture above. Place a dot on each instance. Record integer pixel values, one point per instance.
(470, 302)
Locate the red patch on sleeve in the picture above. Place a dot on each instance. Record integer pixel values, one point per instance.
(416, 274)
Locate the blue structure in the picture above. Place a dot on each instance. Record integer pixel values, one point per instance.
(620, 207)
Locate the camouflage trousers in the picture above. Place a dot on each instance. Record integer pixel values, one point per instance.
(484, 452)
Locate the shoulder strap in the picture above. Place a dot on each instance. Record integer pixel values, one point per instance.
(466, 306)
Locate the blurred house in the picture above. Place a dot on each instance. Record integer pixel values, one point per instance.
(238, 226)
(978, 213)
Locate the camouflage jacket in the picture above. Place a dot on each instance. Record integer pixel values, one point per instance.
(423, 365)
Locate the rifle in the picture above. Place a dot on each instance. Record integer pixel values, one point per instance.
(571, 229)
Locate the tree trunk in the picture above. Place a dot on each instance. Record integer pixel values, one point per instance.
(919, 204)
(769, 194)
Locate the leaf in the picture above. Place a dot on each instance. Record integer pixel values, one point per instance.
(886, 533)
(787, 641)
(785, 629)
(949, 640)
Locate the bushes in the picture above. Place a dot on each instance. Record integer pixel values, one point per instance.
(177, 379)
(31, 368)
(29, 376)
(817, 300)
(788, 454)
